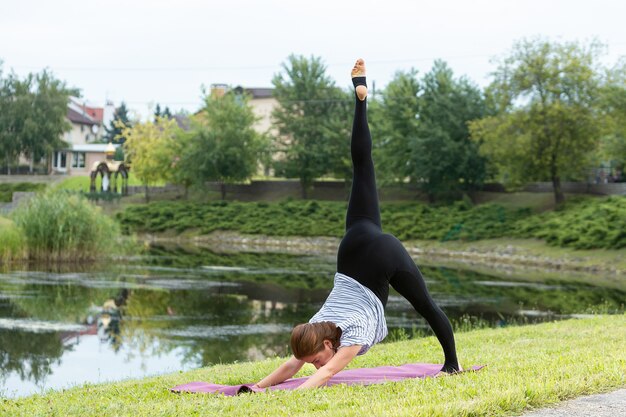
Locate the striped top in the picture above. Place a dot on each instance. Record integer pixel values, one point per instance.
(357, 311)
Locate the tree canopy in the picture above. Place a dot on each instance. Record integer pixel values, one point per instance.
(33, 115)
(222, 145)
(547, 122)
(313, 122)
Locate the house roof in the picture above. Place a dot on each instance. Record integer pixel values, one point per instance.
(77, 117)
(96, 113)
(262, 92)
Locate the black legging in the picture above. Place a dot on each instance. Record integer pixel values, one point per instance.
(376, 259)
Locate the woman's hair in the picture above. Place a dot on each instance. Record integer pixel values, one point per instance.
(308, 339)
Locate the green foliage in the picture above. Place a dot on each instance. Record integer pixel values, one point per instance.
(581, 224)
(547, 123)
(444, 158)
(150, 147)
(7, 190)
(33, 115)
(588, 223)
(12, 245)
(63, 226)
(313, 121)
(223, 146)
(121, 121)
(393, 122)
(317, 218)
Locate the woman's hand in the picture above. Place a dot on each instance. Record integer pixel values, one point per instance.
(283, 372)
(334, 365)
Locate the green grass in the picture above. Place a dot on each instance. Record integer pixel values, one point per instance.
(527, 367)
(583, 223)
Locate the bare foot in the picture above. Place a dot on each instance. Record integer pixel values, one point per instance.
(359, 71)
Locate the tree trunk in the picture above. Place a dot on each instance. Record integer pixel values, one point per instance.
(223, 190)
(31, 163)
(304, 187)
(147, 191)
(186, 192)
(559, 198)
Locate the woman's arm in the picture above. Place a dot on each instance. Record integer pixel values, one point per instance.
(336, 364)
(282, 373)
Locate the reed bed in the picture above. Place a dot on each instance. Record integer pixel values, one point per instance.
(60, 226)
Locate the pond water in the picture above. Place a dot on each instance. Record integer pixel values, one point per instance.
(178, 309)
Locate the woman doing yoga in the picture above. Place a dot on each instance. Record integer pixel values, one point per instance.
(368, 261)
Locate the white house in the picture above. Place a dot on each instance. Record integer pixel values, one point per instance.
(87, 129)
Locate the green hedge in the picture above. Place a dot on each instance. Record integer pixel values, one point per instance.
(582, 223)
(7, 190)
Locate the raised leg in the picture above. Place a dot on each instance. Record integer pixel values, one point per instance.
(363, 204)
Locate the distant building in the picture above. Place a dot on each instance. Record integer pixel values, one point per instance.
(84, 139)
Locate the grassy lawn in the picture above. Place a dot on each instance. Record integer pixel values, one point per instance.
(527, 367)
(81, 183)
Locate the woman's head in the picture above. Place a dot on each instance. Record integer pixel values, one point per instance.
(315, 343)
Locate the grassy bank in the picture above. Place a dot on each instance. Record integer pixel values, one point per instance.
(583, 223)
(527, 367)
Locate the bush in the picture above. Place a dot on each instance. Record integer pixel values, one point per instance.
(590, 223)
(62, 226)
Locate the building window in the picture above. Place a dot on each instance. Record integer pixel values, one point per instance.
(82, 128)
(78, 160)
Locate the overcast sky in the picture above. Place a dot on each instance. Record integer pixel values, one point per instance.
(149, 51)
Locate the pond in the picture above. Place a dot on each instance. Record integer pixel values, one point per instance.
(179, 308)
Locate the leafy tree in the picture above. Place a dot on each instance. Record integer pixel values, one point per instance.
(394, 122)
(613, 104)
(119, 124)
(311, 110)
(149, 146)
(32, 115)
(224, 144)
(444, 159)
(547, 123)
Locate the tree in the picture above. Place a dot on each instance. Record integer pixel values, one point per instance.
(547, 123)
(119, 124)
(33, 115)
(394, 124)
(310, 110)
(613, 104)
(444, 159)
(149, 146)
(224, 145)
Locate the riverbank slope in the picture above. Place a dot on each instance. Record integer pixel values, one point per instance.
(527, 367)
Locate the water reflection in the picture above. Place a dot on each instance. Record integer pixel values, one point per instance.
(179, 308)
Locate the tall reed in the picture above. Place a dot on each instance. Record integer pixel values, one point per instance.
(12, 243)
(61, 226)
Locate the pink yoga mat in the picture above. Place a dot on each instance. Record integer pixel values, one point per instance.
(362, 376)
